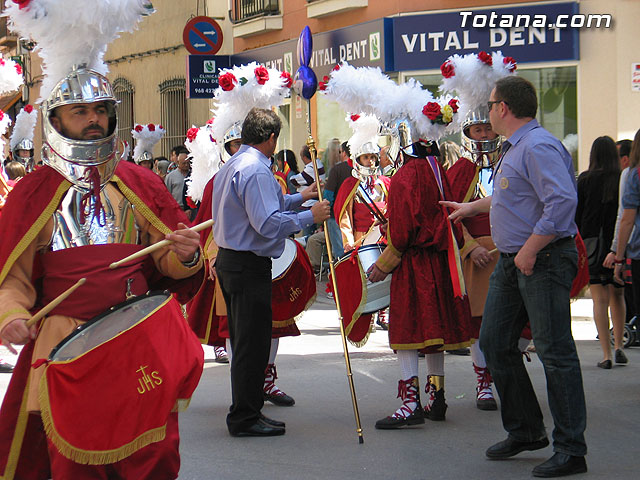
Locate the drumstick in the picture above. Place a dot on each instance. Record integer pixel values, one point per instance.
(491, 252)
(156, 246)
(54, 303)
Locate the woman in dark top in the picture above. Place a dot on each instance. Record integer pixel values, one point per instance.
(596, 213)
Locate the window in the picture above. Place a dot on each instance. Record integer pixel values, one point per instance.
(173, 103)
(123, 91)
(246, 9)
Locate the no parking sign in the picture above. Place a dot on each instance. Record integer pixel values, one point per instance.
(202, 36)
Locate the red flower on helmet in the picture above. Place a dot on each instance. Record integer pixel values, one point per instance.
(151, 127)
(355, 118)
(210, 121)
(28, 108)
(18, 69)
(227, 81)
(322, 86)
(1, 114)
(447, 69)
(288, 81)
(336, 68)
(453, 103)
(485, 57)
(262, 75)
(192, 133)
(138, 128)
(160, 127)
(22, 3)
(431, 110)
(512, 61)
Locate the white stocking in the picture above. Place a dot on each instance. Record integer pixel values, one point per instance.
(435, 363)
(408, 363)
(477, 357)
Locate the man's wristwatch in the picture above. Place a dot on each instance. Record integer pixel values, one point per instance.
(194, 261)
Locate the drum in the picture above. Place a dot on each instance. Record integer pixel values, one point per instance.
(293, 286)
(281, 264)
(378, 294)
(108, 388)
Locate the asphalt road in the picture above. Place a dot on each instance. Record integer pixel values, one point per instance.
(321, 440)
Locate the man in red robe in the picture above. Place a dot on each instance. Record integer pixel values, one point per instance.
(82, 216)
(429, 309)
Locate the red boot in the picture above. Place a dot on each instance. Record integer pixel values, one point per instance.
(484, 395)
(410, 412)
(272, 393)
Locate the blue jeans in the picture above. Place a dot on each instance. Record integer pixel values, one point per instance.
(543, 299)
(335, 236)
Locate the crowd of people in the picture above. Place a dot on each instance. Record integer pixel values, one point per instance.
(488, 235)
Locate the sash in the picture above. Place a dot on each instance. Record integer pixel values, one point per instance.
(453, 252)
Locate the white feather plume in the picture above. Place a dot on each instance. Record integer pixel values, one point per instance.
(233, 105)
(68, 32)
(24, 126)
(368, 90)
(365, 129)
(205, 161)
(146, 138)
(5, 122)
(474, 79)
(10, 76)
(570, 142)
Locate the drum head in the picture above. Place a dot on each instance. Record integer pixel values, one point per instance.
(107, 325)
(280, 265)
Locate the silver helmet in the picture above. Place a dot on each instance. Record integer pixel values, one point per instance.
(27, 162)
(234, 133)
(75, 159)
(483, 153)
(145, 156)
(360, 171)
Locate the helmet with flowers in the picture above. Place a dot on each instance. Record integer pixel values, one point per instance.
(74, 74)
(205, 157)
(22, 137)
(472, 77)
(363, 145)
(240, 89)
(402, 109)
(146, 137)
(10, 81)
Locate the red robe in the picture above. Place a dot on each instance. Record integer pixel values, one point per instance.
(42, 191)
(424, 313)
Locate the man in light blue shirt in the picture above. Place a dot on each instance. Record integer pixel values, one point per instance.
(532, 213)
(252, 219)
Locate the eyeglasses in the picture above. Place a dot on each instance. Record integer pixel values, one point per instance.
(490, 103)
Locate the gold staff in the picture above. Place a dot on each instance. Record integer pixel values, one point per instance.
(312, 151)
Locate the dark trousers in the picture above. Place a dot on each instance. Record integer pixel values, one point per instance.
(544, 297)
(245, 279)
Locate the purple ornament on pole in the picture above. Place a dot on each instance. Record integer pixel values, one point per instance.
(305, 47)
(305, 82)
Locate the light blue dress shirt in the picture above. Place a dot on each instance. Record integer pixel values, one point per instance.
(249, 211)
(534, 190)
(631, 201)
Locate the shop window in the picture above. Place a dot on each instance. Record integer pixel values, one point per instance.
(123, 91)
(173, 104)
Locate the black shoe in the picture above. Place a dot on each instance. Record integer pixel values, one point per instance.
(391, 423)
(282, 400)
(606, 364)
(560, 465)
(486, 404)
(272, 422)
(460, 351)
(259, 429)
(438, 409)
(510, 447)
(6, 367)
(621, 357)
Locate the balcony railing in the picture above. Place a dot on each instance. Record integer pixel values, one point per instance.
(247, 9)
(7, 39)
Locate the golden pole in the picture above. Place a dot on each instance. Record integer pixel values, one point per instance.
(312, 151)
